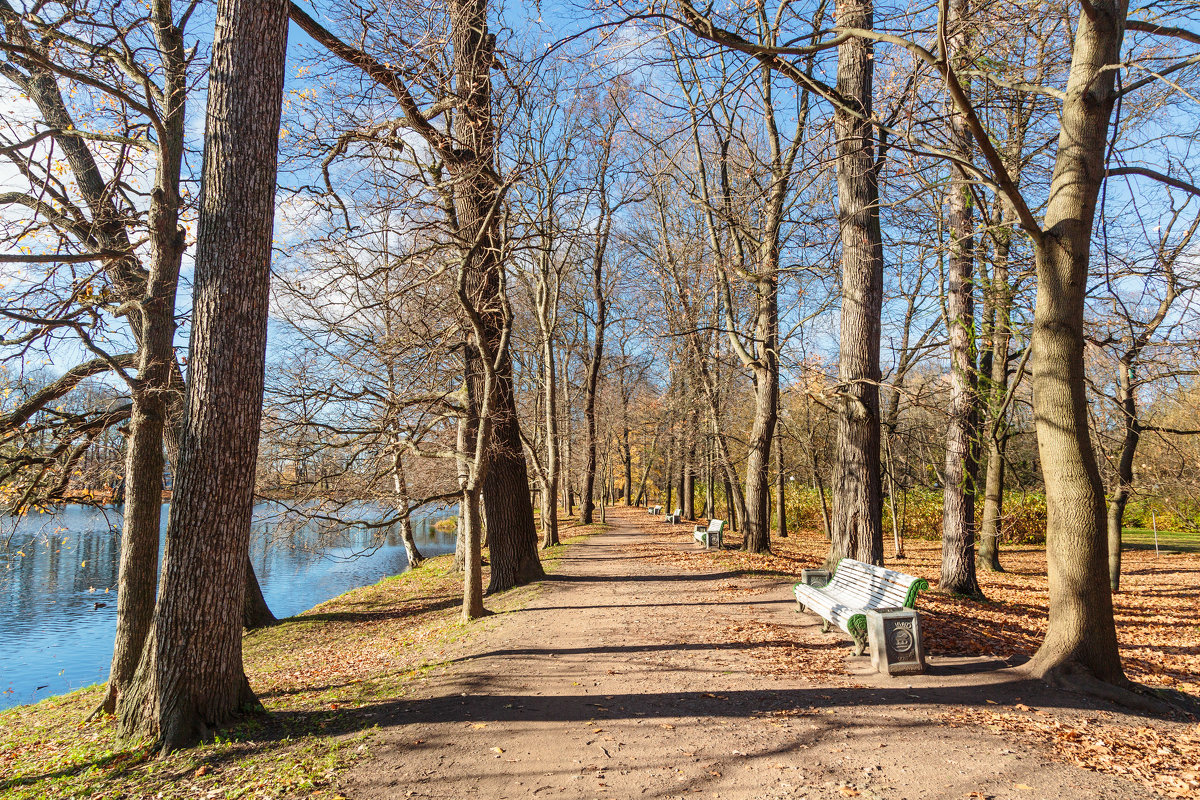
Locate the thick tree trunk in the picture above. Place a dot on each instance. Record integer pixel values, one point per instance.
(958, 493)
(857, 490)
(511, 534)
(757, 538)
(137, 581)
(190, 677)
(1081, 635)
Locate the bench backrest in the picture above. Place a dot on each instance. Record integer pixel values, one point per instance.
(715, 525)
(678, 512)
(869, 586)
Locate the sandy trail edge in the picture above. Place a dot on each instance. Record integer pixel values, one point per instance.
(626, 678)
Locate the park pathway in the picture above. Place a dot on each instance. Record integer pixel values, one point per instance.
(625, 678)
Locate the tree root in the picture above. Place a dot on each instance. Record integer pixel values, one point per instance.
(1125, 693)
(107, 705)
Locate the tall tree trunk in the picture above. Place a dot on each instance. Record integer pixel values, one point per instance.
(781, 528)
(669, 472)
(757, 538)
(1129, 444)
(958, 493)
(687, 500)
(511, 534)
(681, 475)
(190, 677)
(1001, 298)
(857, 490)
(627, 461)
(566, 491)
(154, 319)
(550, 500)
(1081, 637)
(710, 507)
(593, 379)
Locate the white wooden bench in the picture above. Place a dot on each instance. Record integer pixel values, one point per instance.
(654, 511)
(713, 533)
(854, 589)
(675, 517)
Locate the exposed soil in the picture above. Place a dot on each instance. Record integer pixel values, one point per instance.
(627, 676)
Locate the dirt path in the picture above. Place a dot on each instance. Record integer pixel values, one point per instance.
(623, 678)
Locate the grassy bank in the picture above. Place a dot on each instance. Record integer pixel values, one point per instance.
(325, 677)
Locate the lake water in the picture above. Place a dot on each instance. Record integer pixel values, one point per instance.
(58, 577)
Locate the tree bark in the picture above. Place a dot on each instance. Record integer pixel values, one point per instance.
(594, 363)
(400, 487)
(550, 501)
(687, 502)
(255, 611)
(1081, 636)
(958, 493)
(154, 318)
(511, 534)
(857, 490)
(1129, 443)
(781, 528)
(988, 553)
(190, 678)
(627, 461)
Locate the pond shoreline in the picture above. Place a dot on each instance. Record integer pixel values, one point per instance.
(58, 584)
(320, 671)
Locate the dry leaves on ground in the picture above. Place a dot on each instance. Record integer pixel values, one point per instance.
(1166, 761)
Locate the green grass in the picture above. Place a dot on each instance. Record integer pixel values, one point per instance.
(1143, 539)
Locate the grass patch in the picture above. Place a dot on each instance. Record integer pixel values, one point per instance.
(1143, 539)
(325, 677)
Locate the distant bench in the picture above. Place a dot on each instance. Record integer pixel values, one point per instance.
(855, 589)
(714, 531)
